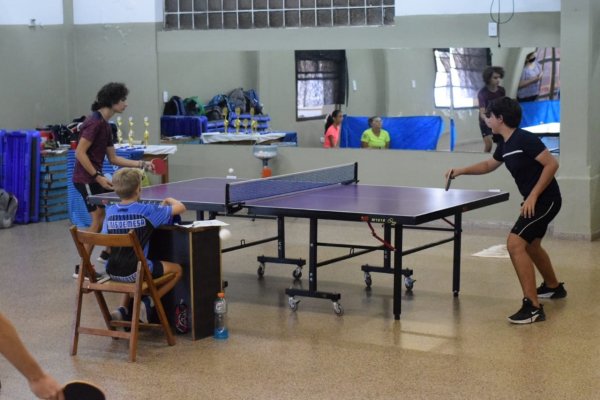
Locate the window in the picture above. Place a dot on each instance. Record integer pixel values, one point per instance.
(458, 76)
(247, 14)
(549, 59)
(321, 82)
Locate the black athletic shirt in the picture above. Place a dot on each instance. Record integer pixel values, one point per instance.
(519, 154)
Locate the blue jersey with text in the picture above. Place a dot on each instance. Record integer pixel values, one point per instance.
(143, 219)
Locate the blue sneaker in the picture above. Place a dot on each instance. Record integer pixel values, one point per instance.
(146, 307)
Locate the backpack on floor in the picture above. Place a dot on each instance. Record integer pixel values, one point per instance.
(8, 208)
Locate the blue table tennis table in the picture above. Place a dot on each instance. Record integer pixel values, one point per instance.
(333, 194)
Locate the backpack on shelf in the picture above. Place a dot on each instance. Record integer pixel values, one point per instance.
(237, 99)
(193, 107)
(174, 106)
(252, 101)
(214, 108)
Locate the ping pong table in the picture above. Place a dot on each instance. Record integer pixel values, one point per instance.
(333, 194)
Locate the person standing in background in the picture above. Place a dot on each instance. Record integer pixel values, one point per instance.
(95, 143)
(529, 84)
(492, 90)
(332, 129)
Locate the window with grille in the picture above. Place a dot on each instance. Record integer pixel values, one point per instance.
(458, 76)
(549, 59)
(321, 82)
(247, 14)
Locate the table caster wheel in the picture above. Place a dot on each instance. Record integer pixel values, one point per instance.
(368, 279)
(297, 274)
(293, 303)
(337, 309)
(261, 270)
(409, 283)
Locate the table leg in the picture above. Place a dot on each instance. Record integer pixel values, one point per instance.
(456, 261)
(398, 271)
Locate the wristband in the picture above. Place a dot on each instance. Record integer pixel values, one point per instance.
(97, 174)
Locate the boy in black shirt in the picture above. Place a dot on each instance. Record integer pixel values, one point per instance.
(533, 168)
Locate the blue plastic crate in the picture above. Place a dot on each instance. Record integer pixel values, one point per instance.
(22, 153)
(2, 133)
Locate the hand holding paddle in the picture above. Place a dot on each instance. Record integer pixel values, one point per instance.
(449, 177)
(79, 390)
(157, 166)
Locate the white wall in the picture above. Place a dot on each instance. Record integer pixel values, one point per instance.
(45, 12)
(444, 7)
(117, 11)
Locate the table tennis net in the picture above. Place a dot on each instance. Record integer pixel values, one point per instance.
(239, 192)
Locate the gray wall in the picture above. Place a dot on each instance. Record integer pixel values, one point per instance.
(33, 76)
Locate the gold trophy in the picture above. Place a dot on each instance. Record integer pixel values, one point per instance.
(245, 125)
(146, 133)
(119, 130)
(237, 120)
(254, 126)
(130, 134)
(225, 121)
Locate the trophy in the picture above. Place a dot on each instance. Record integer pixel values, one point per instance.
(130, 134)
(237, 119)
(254, 126)
(146, 133)
(245, 125)
(119, 131)
(225, 121)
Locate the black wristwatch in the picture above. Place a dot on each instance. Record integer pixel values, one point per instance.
(97, 174)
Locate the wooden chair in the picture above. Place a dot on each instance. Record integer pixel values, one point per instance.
(144, 285)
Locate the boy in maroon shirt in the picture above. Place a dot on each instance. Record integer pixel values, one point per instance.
(95, 142)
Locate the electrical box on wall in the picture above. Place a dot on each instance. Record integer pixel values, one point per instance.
(492, 29)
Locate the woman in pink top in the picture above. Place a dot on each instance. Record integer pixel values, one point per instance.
(332, 129)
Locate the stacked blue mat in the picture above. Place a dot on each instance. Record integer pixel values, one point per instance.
(53, 186)
(77, 210)
(20, 171)
(178, 125)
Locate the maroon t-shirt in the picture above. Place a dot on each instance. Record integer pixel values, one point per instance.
(96, 130)
(485, 97)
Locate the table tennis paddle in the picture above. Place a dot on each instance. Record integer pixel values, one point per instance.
(80, 390)
(449, 179)
(159, 166)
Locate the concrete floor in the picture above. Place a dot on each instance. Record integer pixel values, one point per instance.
(442, 348)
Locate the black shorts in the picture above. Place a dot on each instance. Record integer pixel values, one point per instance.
(158, 270)
(536, 226)
(88, 189)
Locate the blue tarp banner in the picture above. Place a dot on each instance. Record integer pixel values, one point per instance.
(540, 112)
(408, 133)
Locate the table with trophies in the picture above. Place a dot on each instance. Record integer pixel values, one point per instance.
(244, 129)
(150, 151)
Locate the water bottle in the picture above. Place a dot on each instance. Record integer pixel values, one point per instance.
(221, 331)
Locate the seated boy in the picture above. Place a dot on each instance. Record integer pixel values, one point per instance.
(143, 218)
